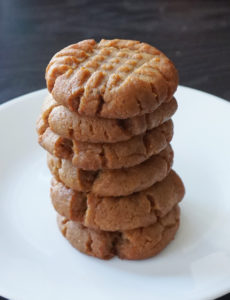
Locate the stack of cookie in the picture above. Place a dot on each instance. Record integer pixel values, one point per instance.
(106, 125)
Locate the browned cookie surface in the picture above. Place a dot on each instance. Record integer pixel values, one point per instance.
(112, 78)
(71, 125)
(89, 156)
(119, 182)
(118, 213)
(133, 244)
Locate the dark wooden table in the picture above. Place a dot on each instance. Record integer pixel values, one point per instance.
(194, 34)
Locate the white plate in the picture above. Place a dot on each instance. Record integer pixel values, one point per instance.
(37, 263)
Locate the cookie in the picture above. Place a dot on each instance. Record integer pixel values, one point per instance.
(114, 183)
(140, 243)
(120, 213)
(89, 156)
(115, 79)
(71, 125)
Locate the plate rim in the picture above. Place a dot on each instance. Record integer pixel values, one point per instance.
(20, 99)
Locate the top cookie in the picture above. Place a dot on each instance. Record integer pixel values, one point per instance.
(111, 79)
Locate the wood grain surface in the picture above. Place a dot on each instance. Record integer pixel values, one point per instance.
(195, 34)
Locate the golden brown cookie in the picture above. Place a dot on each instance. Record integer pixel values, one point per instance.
(89, 156)
(115, 79)
(133, 244)
(71, 125)
(119, 182)
(120, 213)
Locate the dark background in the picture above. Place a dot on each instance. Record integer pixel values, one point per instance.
(195, 34)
